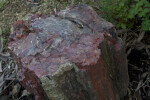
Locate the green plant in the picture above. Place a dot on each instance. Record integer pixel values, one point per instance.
(127, 13)
(141, 10)
(2, 4)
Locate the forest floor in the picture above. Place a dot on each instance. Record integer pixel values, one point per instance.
(137, 48)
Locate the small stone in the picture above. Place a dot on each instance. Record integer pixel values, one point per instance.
(16, 90)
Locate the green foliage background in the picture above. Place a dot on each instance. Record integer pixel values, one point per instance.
(127, 13)
(2, 4)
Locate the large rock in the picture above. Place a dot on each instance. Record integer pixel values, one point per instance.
(72, 55)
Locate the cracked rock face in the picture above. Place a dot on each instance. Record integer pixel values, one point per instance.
(73, 54)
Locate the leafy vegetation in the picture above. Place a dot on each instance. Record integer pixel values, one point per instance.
(2, 4)
(127, 13)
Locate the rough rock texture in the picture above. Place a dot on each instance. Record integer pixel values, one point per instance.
(72, 55)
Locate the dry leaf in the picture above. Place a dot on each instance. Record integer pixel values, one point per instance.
(1, 41)
(141, 37)
(1, 67)
(16, 90)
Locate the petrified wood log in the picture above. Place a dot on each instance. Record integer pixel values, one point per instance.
(72, 55)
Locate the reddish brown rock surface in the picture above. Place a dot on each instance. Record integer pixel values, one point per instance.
(73, 55)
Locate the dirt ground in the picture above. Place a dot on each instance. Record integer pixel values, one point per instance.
(137, 47)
